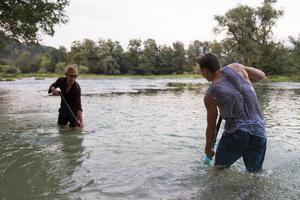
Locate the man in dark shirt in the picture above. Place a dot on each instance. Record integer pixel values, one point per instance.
(71, 98)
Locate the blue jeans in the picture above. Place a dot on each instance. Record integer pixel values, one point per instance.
(241, 144)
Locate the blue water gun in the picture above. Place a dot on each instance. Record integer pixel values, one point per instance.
(207, 159)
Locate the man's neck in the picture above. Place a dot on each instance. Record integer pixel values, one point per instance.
(217, 76)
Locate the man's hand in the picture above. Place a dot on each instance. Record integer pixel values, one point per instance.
(79, 119)
(54, 91)
(80, 123)
(209, 152)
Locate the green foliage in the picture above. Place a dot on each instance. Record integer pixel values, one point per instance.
(44, 62)
(56, 56)
(83, 69)
(8, 69)
(166, 59)
(151, 54)
(13, 49)
(23, 62)
(195, 49)
(109, 53)
(295, 53)
(23, 20)
(179, 58)
(60, 68)
(134, 54)
(248, 40)
(248, 30)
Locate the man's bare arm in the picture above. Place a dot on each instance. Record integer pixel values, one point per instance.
(249, 73)
(212, 114)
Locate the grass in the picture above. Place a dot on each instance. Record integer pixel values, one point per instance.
(40, 76)
(291, 78)
(95, 76)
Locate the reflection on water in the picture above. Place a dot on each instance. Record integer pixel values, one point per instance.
(141, 140)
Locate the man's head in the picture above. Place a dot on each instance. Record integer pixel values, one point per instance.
(71, 73)
(209, 64)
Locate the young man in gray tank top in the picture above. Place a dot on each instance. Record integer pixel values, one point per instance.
(231, 92)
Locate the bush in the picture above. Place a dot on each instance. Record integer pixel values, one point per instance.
(60, 68)
(83, 69)
(8, 69)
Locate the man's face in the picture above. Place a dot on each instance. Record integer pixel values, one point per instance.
(71, 79)
(205, 73)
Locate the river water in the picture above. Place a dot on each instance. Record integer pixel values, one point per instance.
(141, 140)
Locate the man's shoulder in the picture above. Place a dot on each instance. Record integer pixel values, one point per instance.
(61, 78)
(235, 66)
(239, 69)
(77, 86)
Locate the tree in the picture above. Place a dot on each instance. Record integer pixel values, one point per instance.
(24, 20)
(56, 56)
(77, 54)
(89, 50)
(276, 59)
(179, 59)
(194, 50)
(151, 56)
(43, 62)
(248, 30)
(295, 52)
(134, 55)
(110, 54)
(23, 62)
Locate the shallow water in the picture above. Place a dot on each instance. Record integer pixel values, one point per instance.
(140, 141)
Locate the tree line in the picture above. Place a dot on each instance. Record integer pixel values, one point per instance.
(248, 40)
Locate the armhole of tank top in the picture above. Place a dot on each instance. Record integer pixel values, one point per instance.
(209, 94)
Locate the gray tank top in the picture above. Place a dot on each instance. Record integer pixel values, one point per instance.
(237, 103)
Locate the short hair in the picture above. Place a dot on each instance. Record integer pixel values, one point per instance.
(209, 61)
(71, 70)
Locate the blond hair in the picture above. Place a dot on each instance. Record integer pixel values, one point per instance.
(71, 70)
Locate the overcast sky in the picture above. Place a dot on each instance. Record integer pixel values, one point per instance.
(166, 21)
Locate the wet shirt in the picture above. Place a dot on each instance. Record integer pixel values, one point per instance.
(73, 96)
(237, 103)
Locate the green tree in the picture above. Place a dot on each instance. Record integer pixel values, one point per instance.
(110, 55)
(24, 20)
(295, 52)
(179, 57)
(249, 31)
(60, 68)
(43, 62)
(276, 59)
(56, 56)
(89, 50)
(195, 49)
(23, 62)
(151, 57)
(166, 55)
(8, 69)
(77, 55)
(134, 56)
(84, 53)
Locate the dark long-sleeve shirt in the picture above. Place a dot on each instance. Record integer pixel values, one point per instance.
(73, 96)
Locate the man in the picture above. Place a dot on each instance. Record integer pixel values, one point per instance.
(71, 98)
(231, 92)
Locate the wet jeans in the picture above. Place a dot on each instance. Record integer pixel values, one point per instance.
(241, 144)
(63, 119)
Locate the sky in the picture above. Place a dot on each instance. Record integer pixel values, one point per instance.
(165, 21)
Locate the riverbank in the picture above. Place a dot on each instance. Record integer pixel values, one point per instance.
(38, 76)
(12, 77)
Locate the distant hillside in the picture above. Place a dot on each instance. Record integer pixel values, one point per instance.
(13, 49)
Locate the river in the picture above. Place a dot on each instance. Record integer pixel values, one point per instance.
(141, 140)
